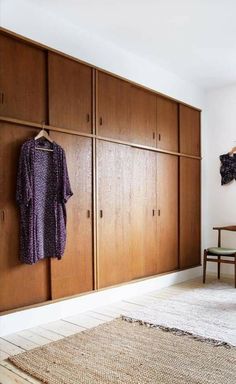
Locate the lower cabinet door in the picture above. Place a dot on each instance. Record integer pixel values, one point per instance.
(144, 257)
(114, 264)
(20, 284)
(73, 274)
(167, 211)
(190, 238)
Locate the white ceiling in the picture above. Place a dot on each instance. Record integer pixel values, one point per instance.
(195, 39)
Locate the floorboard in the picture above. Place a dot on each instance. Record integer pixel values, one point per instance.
(49, 335)
(3, 355)
(20, 341)
(84, 321)
(9, 377)
(62, 328)
(10, 348)
(15, 372)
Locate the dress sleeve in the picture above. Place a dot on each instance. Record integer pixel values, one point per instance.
(226, 169)
(23, 187)
(66, 188)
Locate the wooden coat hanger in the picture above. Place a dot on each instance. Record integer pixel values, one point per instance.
(233, 150)
(43, 133)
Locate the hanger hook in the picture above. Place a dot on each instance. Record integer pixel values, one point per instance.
(43, 125)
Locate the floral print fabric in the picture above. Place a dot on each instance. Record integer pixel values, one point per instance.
(43, 188)
(228, 168)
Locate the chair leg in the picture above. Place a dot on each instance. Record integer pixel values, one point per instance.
(218, 269)
(204, 265)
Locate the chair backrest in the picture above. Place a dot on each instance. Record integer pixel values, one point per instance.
(231, 228)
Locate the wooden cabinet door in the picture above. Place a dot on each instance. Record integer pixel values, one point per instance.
(189, 130)
(70, 93)
(74, 272)
(167, 220)
(21, 284)
(125, 112)
(113, 107)
(22, 80)
(189, 212)
(143, 213)
(167, 124)
(142, 116)
(114, 229)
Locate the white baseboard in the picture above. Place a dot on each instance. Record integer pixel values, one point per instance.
(32, 317)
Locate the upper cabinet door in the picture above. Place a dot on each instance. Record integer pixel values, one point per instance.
(125, 112)
(70, 93)
(142, 116)
(22, 80)
(189, 126)
(167, 124)
(113, 107)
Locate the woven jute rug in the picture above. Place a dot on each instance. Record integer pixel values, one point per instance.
(120, 352)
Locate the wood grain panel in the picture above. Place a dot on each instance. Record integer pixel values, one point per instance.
(21, 284)
(167, 124)
(113, 104)
(125, 112)
(189, 130)
(167, 221)
(142, 116)
(189, 212)
(114, 227)
(74, 272)
(22, 80)
(143, 213)
(70, 93)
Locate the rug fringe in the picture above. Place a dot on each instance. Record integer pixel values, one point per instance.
(179, 332)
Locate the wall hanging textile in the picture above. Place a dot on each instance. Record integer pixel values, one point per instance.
(43, 188)
(228, 168)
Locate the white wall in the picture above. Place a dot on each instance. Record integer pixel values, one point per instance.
(219, 137)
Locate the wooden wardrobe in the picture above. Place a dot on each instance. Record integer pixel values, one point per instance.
(133, 158)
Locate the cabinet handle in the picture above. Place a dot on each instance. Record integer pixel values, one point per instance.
(2, 97)
(159, 212)
(159, 137)
(101, 213)
(153, 135)
(153, 212)
(3, 215)
(88, 213)
(88, 117)
(100, 121)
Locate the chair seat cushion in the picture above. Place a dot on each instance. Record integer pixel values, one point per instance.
(221, 251)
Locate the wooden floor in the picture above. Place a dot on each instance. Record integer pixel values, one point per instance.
(41, 335)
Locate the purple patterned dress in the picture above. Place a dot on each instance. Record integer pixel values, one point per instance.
(43, 188)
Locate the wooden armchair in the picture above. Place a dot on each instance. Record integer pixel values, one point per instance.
(216, 253)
